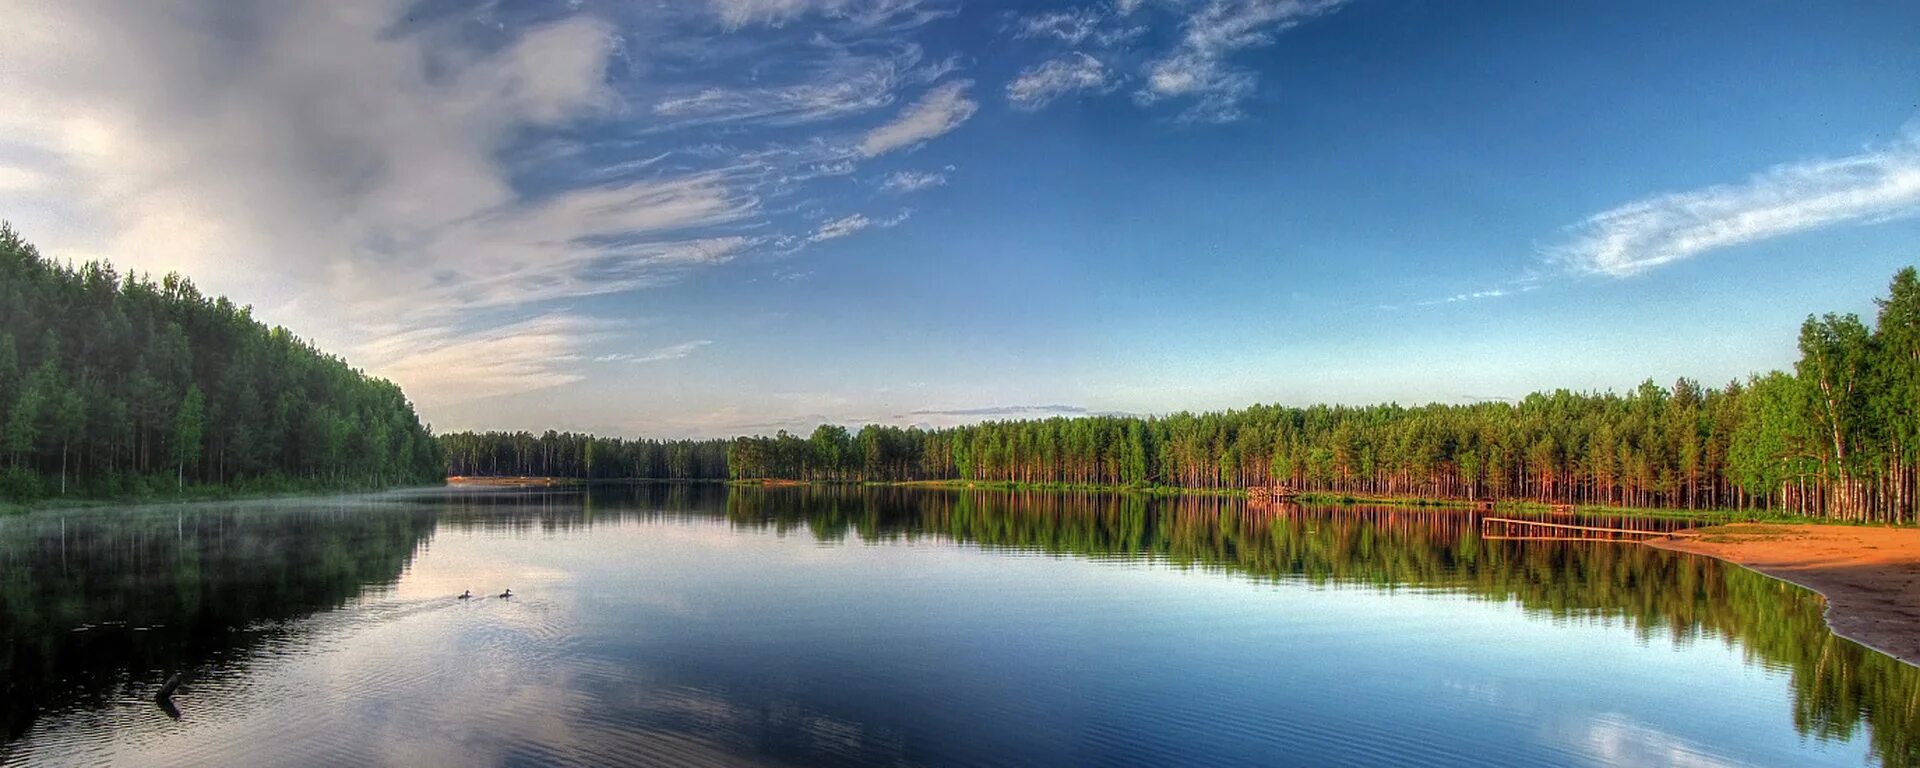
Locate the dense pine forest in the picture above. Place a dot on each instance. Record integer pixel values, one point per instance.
(1837, 437)
(582, 456)
(115, 385)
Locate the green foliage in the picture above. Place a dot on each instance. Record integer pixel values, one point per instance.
(1838, 438)
(115, 386)
(187, 432)
(581, 456)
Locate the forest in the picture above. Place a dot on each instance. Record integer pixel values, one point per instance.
(582, 456)
(1836, 437)
(117, 386)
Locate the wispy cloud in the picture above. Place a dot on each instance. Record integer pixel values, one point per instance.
(1197, 67)
(1099, 26)
(866, 13)
(1037, 86)
(904, 182)
(448, 364)
(829, 81)
(841, 227)
(1874, 185)
(1072, 27)
(852, 224)
(1195, 70)
(799, 103)
(834, 168)
(940, 110)
(674, 352)
(1490, 293)
(449, 215)
(373, 215)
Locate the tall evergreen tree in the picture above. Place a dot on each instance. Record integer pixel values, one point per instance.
(96, 369)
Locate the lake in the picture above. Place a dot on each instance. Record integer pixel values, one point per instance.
(702, 625)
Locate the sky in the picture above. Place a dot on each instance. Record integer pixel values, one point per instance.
(714, 217)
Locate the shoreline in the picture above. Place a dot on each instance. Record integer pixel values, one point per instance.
(207, 494)
(1869, 577)
(1516, 507)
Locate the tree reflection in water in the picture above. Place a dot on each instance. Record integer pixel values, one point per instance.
(102, 605)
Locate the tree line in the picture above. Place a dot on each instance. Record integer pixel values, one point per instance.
(582, 456)
(1837, 437)
(116, 385)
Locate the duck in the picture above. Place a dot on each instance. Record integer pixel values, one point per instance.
(508, 593)
(466, 595)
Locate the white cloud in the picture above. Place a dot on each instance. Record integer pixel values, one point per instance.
(864, 13)
(449, 365)
(835, 168)
(1783, 200)
(830, 81)
(942, 109)
(585, 242)
(346, 170)
(674, 352)
(1070, 27)
(903, 182)
(21, 179)
(1197, 68)
(1039, 85)
(840, 227)
(804, 102)
(1490, 293)
(852, 224)
(1103, 26)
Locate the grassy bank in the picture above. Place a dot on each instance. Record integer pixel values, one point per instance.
(1004, 485)
(262, 489)
(1382, 501)
(1701, 516)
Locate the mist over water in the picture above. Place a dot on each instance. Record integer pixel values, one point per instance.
(700, 624)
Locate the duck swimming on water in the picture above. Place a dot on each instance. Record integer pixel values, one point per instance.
(466, 595)
(508, 593)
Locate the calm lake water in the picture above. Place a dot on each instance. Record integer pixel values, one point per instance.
(694, 625)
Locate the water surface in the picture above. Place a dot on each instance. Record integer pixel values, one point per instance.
(693, 624)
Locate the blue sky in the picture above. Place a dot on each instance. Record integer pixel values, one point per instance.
(708, 217)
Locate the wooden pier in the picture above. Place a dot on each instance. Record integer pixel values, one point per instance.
(1510, 529)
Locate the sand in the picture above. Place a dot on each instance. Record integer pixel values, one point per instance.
(1870, 576)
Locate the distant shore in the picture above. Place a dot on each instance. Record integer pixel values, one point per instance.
(1517, 507)
(512, 481)
(1869, 575)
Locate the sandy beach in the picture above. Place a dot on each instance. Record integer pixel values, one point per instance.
(1869, 575)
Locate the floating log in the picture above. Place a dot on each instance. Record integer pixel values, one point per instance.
(167, 688)
(164, 699)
